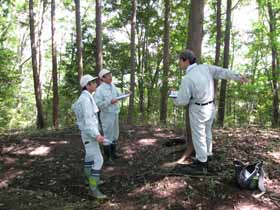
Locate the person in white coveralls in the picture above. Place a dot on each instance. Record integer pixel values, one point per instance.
(86, 110)
(106, 99)
(197, 90)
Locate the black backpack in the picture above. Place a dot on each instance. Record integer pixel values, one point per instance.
(250, 176)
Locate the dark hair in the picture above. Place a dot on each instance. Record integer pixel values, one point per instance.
(92, 81)
(188, 55)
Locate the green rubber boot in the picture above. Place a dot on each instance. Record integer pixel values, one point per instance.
(94, 191)
(87, 170)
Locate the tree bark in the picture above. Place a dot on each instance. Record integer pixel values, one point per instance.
(99, 55)
(54, 67)
(132, 63)
(221, 109)
(194, 42)
(79, 40)
(218, 39)
(43, 10)
(141, 58)
(37, 85)
(164, 89)
(152, 84)
(272, 30)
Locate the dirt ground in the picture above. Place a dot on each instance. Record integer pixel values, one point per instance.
(45, 172)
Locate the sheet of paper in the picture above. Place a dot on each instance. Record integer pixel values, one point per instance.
(173, 94)
(123, 96)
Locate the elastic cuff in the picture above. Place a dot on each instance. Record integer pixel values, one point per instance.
(94, 172)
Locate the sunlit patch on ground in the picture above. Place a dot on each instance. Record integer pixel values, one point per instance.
(275, 156)
(128, 151)
(59, 142)
(30, 150)
(147, 141)
(167, 187)
(40, 151)
(8, 177)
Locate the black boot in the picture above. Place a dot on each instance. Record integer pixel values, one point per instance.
(108, 155)
(113, 151)
(196, 167)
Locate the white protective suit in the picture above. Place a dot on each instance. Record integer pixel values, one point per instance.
(197, 86)
(85, 109)
(109, 113)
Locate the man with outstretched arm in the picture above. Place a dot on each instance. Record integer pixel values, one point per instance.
(197, 90)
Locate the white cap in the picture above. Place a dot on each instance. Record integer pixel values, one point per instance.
(86, 79)
(103, 72)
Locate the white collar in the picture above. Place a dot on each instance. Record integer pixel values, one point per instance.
(190, 67)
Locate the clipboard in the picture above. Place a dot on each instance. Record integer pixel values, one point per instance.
(123, 96)
(173, 94)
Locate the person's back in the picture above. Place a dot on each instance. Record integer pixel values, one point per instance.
(202, 84)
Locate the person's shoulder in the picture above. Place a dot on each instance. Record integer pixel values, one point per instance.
(203, 66)
(100, 87)
(187, 77)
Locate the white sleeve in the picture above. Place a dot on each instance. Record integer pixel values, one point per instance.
(100, 101)
(184, 93)
(90, 125)
(221, 73)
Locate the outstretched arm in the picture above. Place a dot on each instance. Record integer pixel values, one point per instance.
(222, 73)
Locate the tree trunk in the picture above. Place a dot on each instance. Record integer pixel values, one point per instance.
(195, 26)
(54, 68)
(218, 39)
(141, 58)
(221, 110)
(273, 40)
(194, 41)
(132, 63)
(152, 84)
(37, 85)
(164, 89)
(79, 40)
(43, 10)
(99, 56)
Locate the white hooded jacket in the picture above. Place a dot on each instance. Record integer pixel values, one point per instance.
(85, 109)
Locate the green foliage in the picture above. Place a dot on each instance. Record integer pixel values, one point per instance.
(246, 105)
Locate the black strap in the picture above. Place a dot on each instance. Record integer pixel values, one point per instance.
(203, 104)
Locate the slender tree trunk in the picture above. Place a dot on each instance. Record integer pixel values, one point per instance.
(164, 89)
(141, 58)
(43, 10)
(99, 56)
(275, 75)
(79, 40)
(54, 68)
(221, 110)
(152, 84)
(37, 85)
(132, 63)
(194, 42)
(218, 39)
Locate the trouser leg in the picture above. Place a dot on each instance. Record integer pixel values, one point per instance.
(93, 159)
(209, 137)
(198, 137)
(110, 125)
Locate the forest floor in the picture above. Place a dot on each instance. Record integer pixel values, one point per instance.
(44, 172)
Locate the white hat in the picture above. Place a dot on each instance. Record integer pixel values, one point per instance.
(86, 79)
(103, 72)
